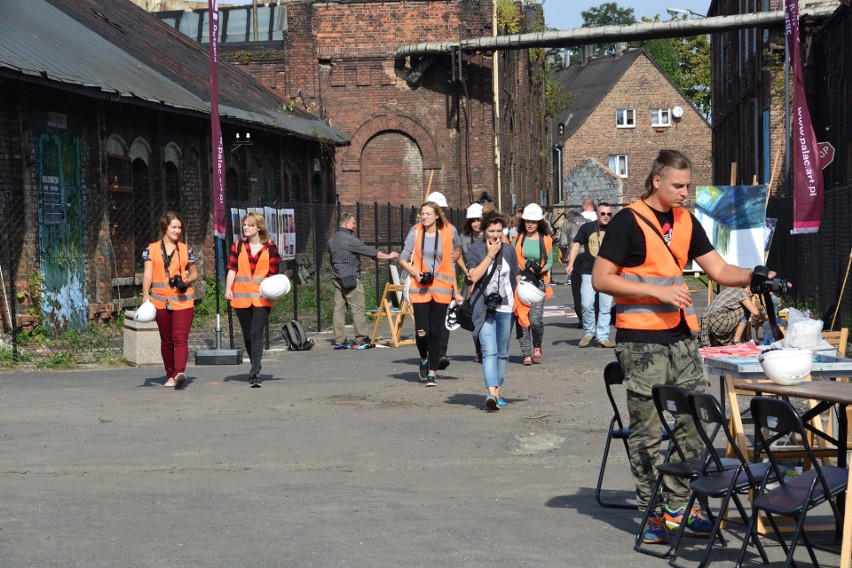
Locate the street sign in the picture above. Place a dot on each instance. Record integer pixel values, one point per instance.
(826, 154)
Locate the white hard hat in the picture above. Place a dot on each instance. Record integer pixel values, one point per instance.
(146, 313)
(474, 211)
(529, 294)
(532, 212)
(438, 198)
(275, 286)
(786, 366)
(451, 323)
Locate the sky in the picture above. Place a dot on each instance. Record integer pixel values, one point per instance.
(565, 14)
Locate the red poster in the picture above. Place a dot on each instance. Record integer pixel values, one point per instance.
(218, 158)
(808, 195)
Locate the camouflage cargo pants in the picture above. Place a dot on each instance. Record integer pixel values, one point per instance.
(646, 364)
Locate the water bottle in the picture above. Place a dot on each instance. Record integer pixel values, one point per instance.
(767, 333)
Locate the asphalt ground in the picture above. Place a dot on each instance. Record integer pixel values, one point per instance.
(341, 459)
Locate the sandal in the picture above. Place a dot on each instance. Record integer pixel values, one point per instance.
(528, 361)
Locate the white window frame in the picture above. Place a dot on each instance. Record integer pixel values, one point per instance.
(661, 117)
(618, 165)
(625, 118)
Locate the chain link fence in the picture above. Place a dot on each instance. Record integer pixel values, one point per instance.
(65, 283)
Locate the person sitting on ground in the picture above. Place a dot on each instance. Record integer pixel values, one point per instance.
(726, 318)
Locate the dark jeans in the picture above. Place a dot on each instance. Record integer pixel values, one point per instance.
(253, 323)
(174, 331)
(429, 325)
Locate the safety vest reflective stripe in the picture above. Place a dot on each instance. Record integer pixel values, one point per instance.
(660, 269)
(246, 288)
(165, 295)
(440, 289)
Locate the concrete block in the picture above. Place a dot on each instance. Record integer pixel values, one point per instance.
(141, 341)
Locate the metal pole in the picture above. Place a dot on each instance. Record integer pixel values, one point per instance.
(9, 247)
(317, 262)
(376, 243)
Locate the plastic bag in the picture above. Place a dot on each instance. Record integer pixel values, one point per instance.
(802, 331)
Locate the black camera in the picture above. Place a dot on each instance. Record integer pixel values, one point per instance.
(492, 302)
(176, 281)
(762, 283)
(533, 267)
(426, 278)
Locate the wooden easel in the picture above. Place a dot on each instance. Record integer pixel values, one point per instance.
(395, 316)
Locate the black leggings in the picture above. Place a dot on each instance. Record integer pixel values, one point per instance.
(429, 318)
(253, 323)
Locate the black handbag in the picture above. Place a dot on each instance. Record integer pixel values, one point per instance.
(464, 312)
(464, 315)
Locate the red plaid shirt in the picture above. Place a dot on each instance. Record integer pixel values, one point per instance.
(274, 257)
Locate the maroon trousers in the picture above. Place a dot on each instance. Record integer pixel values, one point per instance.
(174, 331)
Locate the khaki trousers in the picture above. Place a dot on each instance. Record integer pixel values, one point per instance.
(354, 300)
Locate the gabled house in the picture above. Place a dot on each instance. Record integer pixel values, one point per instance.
(104, 124)
(623, 110)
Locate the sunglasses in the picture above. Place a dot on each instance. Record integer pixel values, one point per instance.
(605, 214)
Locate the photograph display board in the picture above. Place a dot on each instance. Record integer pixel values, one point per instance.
(281, 224)
(735, 220)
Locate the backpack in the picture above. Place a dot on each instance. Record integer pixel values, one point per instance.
(296, 338)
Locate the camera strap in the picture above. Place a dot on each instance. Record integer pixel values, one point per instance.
(423, 247)
(167, 258)
(656, 232)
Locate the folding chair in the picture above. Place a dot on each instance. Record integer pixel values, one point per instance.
(726, 485)
(672, 399)
(794, 496)
(614, 375)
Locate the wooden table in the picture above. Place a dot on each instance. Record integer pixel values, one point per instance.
(737, 372)
(748, 374)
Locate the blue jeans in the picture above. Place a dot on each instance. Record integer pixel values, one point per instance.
(601, 328)
(494, 337)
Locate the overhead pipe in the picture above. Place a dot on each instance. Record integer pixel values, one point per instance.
(607, 34)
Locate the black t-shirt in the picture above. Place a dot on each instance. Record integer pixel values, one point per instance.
(589, 235)
(626, 247)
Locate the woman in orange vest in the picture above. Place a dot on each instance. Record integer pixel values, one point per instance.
(252, 258)
(170, 270)
(428, 258)
(532, 247)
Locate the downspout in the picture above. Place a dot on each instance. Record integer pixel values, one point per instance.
(558, 149)
(495, 80)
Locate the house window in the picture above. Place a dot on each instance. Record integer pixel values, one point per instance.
(618, 164)
(661, 117)
(625, 118)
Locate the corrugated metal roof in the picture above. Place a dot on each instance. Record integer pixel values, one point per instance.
(589, 84)
(116, 47)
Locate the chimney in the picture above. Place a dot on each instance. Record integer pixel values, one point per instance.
(587, 54)
(620, 48)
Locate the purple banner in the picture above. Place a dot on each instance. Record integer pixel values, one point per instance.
(808, 196)
(218, 158)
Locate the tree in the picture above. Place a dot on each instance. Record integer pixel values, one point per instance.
(686, 60)
(607, 14)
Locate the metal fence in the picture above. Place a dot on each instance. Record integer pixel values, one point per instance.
(90, 269)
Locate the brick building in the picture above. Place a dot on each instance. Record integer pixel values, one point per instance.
(748, 92)
(623, 110)
(104, 124)
(416, 124)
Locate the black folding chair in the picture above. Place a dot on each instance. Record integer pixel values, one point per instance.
(614, 375)
(672, 399)
(794, 496)
(724, 484)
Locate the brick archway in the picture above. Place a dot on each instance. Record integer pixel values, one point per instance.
(391, 122)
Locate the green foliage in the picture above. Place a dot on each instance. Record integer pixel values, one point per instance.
(508, 16)
(607, 14)
(556, 99)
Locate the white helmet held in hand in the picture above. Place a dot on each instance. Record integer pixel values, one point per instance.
(146, 313)
(438, 198)
(450, 322)
(786, 366)
(532, 212)
(474, 211)
(529, 294)
(275, 286)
